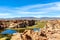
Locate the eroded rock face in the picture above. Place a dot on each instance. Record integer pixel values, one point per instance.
(52, 30)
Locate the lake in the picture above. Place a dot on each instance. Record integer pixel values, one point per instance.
(36, 29)
(8, 31)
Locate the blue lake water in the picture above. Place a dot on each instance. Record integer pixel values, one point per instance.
(8, 31)
(36, 29)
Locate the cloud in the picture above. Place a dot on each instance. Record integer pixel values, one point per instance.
(37, 10)
(40, 9)
(4, 15)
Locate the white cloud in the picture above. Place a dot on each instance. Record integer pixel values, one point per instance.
(39, 9)
(5, 14)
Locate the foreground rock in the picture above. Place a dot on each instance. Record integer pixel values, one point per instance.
(51, 31)
(27, 35)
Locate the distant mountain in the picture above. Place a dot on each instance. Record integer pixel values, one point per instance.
(30, 18)
(26, 18)
(21, 18)
(49, 18)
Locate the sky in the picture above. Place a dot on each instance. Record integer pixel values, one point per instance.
(29, 8)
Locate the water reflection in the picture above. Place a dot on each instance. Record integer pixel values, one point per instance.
(36, 29)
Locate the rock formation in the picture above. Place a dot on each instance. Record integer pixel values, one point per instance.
(28, 35)
(51, 31)
(16, 23)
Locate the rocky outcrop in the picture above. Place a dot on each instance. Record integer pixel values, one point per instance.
(16, 23)
(28, 35)
(22, 24)
(51, 31)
